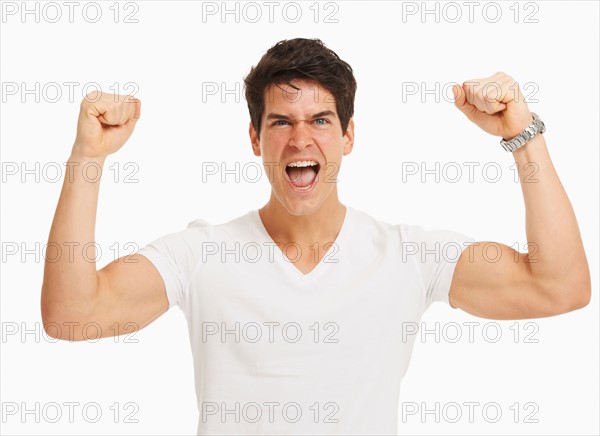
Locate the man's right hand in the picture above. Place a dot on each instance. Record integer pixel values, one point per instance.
(106, 121)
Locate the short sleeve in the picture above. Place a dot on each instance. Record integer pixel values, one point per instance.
(176, 256)
(436, 253)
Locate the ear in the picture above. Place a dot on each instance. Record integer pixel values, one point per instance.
(254, 140)
(349, 137)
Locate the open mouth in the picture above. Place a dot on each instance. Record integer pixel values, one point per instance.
(302, 174)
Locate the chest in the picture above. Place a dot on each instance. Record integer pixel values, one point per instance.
(270, 309)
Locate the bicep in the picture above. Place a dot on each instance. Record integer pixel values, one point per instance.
(131, 294)
(492, 280)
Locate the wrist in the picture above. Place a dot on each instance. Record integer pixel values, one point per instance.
(516, 132)
(535, 128)
(77, 155)
(531, 153)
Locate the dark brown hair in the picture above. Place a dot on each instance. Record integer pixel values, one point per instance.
(301, 58)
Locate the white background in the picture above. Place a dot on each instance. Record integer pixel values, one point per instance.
(169, 53)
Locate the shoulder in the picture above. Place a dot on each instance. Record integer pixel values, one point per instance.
(405, 235)
(374, 227)
(200, 230)
(240, 221)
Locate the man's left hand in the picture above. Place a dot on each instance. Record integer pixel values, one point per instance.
(495, 104)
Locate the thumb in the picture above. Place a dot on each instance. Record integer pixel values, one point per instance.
(460, 101)
(137, 111)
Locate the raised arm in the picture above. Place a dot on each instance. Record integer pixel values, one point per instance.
(553, 277)
(128, 293)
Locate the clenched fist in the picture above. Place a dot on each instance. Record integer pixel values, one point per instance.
(105, 123)
(495, 104)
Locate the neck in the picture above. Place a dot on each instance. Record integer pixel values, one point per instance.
(323, 225)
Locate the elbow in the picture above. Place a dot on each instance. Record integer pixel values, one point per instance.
(61, 330)
(47, 314)
(51, 330)
(572, 296)
(584, 293)
(51, 326)
(51, 322)
(57, 321)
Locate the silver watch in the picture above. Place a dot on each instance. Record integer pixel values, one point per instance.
(536, 126)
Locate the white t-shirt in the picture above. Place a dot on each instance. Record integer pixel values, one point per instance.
(279, 352)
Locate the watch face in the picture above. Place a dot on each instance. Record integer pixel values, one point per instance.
(541, 127)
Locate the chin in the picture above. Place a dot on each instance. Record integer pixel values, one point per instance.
(300, 204)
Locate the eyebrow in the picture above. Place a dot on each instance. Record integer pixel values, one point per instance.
(273, 116)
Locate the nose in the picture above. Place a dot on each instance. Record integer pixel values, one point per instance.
(301, 136)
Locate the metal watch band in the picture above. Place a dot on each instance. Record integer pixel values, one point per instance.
(536, 126)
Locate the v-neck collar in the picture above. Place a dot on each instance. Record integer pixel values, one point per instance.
(287, 265)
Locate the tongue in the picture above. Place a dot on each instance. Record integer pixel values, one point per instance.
(301, 176)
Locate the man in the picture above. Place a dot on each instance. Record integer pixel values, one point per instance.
(296, 310)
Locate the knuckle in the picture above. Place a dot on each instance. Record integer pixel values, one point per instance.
(93, 96)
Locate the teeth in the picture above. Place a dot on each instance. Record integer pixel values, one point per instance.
(303, 163)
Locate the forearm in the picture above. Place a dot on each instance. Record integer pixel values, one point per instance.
(70, 283)
(556, 258)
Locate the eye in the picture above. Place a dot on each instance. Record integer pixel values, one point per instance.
(279, 123)
(321, 121)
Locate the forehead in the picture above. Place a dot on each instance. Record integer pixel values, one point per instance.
(303, 97)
